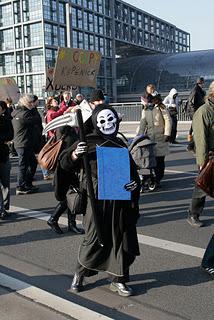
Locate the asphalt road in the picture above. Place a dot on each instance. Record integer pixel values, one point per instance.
(37, 265)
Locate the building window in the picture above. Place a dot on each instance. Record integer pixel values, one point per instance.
(107, 27)
(6, 16)
(140, 37)
(17, 12)
(133, 35)
(51, 35)
(62, 12)
(34, 60)
(125, 14)
(125, 32)
(152, 26)
(33, 35)
(108, 47)
(100, 25)
(34, 84)
(107, 7)
(7, 64)
(6, 40)
(18, 37)
(132, 17)
(21, 84)
(19, 62)
(157, 31)
(62, 36)
(32, 9)
(139, 20)
(146, 23)
(51, 55)
(118, 11)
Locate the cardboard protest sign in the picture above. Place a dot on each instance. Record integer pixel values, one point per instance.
(9, 89)
(113, 173)
(77, 67)
(57, 87)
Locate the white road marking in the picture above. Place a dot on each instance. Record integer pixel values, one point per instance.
(171, 246)
(50, 300)
(182, 172)
(145, 240)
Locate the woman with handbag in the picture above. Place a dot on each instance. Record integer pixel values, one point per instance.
(203, 128)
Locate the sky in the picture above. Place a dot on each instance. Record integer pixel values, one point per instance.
(193, 16)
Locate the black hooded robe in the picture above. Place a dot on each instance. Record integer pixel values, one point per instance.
(116, 218)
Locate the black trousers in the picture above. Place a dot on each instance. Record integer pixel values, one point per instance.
(160, 168)
(197, 202)
(208, 258)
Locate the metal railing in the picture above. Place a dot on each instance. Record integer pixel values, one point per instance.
(132, 111)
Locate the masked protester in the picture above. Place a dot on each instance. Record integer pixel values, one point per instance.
(116, 219)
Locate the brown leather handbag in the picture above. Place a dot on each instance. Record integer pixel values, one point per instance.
(205, 179)
(47, 157)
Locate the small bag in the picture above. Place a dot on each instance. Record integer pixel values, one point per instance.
(47, 157)
(172, 111)
(205, 179)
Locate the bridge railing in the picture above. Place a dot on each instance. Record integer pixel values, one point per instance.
(132, 111)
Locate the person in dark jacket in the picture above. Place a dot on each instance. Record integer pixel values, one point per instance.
(116, 219)
(6, 135)
(195, 100)
(27, 126)
(203, 128)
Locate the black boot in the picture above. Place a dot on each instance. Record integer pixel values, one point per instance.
(54, 225)
(72, 226)
(77, 283)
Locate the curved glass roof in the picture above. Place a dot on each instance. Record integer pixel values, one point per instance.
(165, 71)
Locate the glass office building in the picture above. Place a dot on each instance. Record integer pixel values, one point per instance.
(32, 30)
(179, 71)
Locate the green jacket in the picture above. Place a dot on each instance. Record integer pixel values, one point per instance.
(203, 129)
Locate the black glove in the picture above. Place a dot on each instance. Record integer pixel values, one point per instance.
(166, 138)
(131, 186)
(81, 149)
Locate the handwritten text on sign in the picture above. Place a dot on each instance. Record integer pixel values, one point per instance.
(77, 67)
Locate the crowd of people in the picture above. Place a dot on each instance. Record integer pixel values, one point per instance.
(110, 238)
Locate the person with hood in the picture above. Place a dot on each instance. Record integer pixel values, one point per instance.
(195, 100)
(6, 135)
(171, 103)
(116, 219)
(27, 125)
(156, 123)
(203, 128)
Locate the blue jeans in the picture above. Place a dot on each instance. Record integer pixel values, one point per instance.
(5, 168)
(27, 167)
(197, 203)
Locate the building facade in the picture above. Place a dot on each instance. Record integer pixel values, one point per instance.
(32, 30)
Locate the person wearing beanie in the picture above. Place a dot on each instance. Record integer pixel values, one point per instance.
(97, 97)
(117, 218)
(27, 125)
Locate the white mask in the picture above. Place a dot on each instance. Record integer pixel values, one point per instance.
(106, 122)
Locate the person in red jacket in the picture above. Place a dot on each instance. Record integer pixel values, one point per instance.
(53, 111)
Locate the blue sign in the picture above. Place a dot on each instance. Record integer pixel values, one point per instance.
(113, 173)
